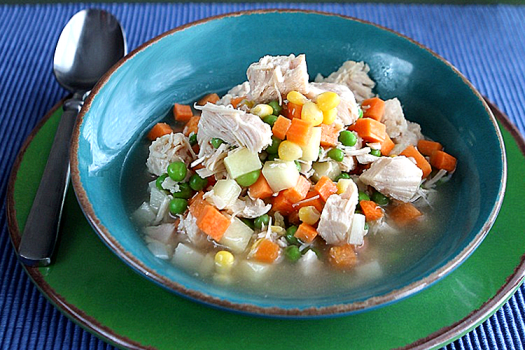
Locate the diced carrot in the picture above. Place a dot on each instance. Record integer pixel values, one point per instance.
(329, 135)
(443, 160)
(293, 218)
(281, 126)
(298, 192)
(325, 187)
(293, 110)
(404, 214)
(313, 199)
(260, 189)
(371, 210)
(266, 251)
(387, 146)
(212, 222)
(192, 126)
(281, 204)
(299, 132)
(158, 130)
(182, 113)
(421, 162)
(197, 204)
(306, 233)
(373, 108)
(236, 100)
(211, 98)
(370, 130)
(428, 147)
(342, 257)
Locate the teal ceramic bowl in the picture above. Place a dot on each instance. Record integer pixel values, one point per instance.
(212, 55)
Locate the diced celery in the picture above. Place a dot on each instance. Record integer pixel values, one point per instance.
(280, 175)
(242, 162)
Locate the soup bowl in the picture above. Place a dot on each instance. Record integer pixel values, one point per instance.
(212, 55)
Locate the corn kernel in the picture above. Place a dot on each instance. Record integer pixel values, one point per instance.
(289, 150)
(262, 110)
(329, 116)
(327, 101)
(278, 230)
(309, 215)
(296, 97)
(312, 114)
(342, 185)
(224, 261)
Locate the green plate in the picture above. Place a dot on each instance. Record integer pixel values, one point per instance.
(94, 288)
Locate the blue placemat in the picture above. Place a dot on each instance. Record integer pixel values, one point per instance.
(486, 43)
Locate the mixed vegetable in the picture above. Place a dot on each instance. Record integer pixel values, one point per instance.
(285, 171)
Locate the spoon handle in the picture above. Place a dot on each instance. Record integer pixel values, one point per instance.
(41, 228)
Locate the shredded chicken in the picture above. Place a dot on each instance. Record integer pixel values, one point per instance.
(347, 112)
(274, 76)
(247, 207)
(401, 131)
(354, 75)
(240, 90)
(167, 149)
(213, 164)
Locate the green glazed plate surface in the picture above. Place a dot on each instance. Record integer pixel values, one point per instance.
(97, 290)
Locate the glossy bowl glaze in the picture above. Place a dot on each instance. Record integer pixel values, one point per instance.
(212, 55)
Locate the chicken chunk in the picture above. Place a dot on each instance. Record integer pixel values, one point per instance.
(167, 149)
(401, 131)
(396, 177)
(274, 76)
(354, 75)
(336, 217)
(347, 112)
(240, 90)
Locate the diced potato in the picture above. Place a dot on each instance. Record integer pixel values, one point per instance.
(311, 150)
(242, 162)
(255, 271)
(164, 233)
(357, 229)
(280, 175)
(187, 257)
(144, 215)
(329, 168)
(343, 184)
(225, 193)
(237, 236)
(160, 250)
(207, 265)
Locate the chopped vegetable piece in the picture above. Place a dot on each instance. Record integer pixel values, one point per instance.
(296, 98)
(342, 185)
(212, 222)
(266, 251)
(236, 100)
(289, 151)
(360, 113)
(248, 222)
(281, 204)
(443, 160)
(281, 126)
(248, 179)
(305, 233)
(274, 147)
(375, 152)
(183, 192)
(298, 165)
(292, 252)
(347, 138)
(312, 114)
(325, 187)
(192, 126)
(262, 110)
(311, 150)
(289, 236)
(160, 180)
(309, 215)
(261, 221)
(178, 206)
(342, 176)
(158, 130)
(177, 171)
(224, 261)
(373, 108)
(216, 142)
(327, 100)
(197, 204)
(275, 106)
(241, 161)
(371, 210)
(329, 135)
(380, 198)
(182, 113)
(336, 154)
(421, 162)
(342, 257)
(298, 192)
(312, 198)
(280, 174)
(404, 214)
(329, 116)
(428, 147)
(260, 189)
(211, 98)
(299, 132)
(370, 130)
(193, 139)
(293, 110)
(270, 120)
(387, 146)
(363, 196)
(197, 183)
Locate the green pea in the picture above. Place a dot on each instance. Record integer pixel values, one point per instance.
(193, 139)
(336, 154)
(292, 253)
(315, 250)
(272, 157)
(197, 183)
(261, 220)
(363, 196)
(360, 113)
(297, 165)
(380, 198)
(177, 171)
(270, 119)
(249, 178)
(184, 192)
(248, 223)
(376, 152)
(347, 138)
(342, 176)
(216, 142)
(178, 205)
(274, 147)
(276, 107)
(160, 180)
(289, 236)
(367, 226)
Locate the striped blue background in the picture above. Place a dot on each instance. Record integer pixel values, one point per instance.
(486, 43)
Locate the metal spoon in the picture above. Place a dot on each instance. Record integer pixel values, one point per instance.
(89, 45)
